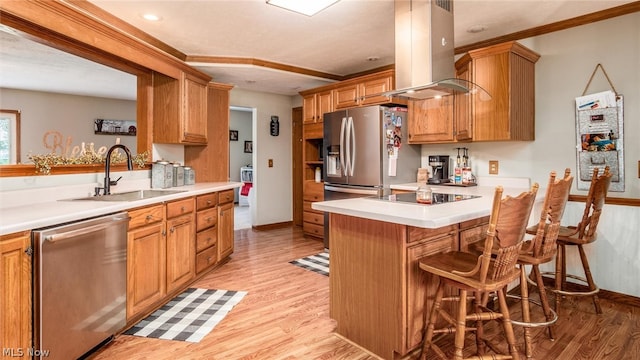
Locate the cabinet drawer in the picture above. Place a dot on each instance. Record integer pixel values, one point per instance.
(313, 218)
(179, 207)
(206, 218)
(146, 216)
(313, 191)
(417, 234)
(206, 201)
(206, 238)
(313, 229)
(225, 196)
(206, 258)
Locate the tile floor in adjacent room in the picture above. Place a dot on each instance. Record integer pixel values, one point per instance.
(242, 217)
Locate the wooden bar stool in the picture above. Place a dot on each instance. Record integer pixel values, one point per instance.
(579, 235)
(482, 275)
(539, 250)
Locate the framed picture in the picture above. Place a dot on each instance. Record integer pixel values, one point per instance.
(233, 135)
(248, 147)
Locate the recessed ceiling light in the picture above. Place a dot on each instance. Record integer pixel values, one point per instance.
(306, 7)
(476, 29)
(151, 17)
(373, 58)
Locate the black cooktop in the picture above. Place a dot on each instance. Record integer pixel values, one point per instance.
(436, 198)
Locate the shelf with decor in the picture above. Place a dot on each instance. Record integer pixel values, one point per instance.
(114, 127)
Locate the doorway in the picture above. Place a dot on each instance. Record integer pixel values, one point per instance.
(241, 164)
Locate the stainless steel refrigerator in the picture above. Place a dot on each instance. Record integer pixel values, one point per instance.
(365, 151)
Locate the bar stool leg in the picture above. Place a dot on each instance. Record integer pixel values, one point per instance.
(592, 284)
(526, 315)
(544, 300)
(480, 301)
(430, 325)
(460, 325)
(506, 323)
(560, 272)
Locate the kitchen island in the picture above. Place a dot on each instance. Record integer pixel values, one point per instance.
(376, 287)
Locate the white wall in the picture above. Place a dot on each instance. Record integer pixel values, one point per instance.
(72, 116)
(567, 60)
(273, 194)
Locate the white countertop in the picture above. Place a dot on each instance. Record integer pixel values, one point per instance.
(425, 216)
(48, 213)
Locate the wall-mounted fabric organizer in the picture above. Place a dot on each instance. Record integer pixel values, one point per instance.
(600, 135)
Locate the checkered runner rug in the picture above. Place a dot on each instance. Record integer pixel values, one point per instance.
(189, 316)
(318, 263)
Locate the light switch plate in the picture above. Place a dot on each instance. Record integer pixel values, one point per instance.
(493, 167)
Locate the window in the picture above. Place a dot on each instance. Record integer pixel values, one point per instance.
(9, 136)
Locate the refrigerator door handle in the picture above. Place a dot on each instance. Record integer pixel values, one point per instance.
(352, 132)
(342, 145)
(348, 137)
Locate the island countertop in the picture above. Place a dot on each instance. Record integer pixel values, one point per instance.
(430, 216)
(52, 212)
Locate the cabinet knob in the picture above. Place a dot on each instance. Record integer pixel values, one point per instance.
(209, 219)
(172, 230)
(208, 202)
(149, 217)
(182, 209)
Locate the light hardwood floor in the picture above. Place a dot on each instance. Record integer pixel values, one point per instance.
(285, 315)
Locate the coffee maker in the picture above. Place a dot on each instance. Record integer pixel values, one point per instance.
(440, 169)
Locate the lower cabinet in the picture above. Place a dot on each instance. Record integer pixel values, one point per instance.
(146, 254)
(181, 243)
(207, 231)
(15, 294)
(225, 224)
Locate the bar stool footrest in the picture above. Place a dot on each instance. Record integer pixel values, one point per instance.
(533, 324)
(565, 292)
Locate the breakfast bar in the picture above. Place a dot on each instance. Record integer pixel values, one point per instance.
(376, 287)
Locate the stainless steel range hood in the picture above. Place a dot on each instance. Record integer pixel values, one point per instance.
(424, 51)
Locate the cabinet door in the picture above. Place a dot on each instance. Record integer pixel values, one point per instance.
(431, 120)
(324, 104)
(181, 251)
(225, 228)
(15, 292)
(370, 89)
(309, 109)
(416, 280)
(195, 112)
(146, 272)
(346, 96)
(464, 107)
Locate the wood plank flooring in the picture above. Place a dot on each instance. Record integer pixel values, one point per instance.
(285, 315)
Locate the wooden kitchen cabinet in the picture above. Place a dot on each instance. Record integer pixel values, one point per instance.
(181, 243)
(146, 259)
(207, 231)
(225, 224)
(315, 105)
(15, 293)
(507, 72)
(364, 90)
(179, 110)
(313, 220)
(431, 120)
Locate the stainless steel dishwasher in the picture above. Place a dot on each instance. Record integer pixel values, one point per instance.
(80, 278)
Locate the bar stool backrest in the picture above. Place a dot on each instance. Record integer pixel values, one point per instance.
(555, 200)
(586, 229)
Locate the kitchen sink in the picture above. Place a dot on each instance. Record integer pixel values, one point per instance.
(130, 195)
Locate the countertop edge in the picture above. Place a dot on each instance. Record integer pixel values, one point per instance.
(50, 213)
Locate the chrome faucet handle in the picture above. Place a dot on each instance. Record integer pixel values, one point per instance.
(97, 190)
(115, 182)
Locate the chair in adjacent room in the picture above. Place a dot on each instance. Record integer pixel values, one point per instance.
(540, 250)
(581, 234)
(480, 275)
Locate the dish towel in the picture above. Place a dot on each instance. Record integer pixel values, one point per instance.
(244, 191)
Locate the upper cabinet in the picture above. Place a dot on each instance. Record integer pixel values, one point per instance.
(364, 90)
(315, 105)
(507, 72)
(179, 110)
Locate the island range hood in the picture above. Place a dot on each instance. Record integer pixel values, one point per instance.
(424, 50)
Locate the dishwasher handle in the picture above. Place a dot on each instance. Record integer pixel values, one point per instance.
(85, 230)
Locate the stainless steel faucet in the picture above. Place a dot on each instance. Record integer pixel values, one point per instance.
(107, 168)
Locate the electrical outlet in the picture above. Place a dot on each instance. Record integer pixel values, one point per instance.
(270, 162)
(493, 167)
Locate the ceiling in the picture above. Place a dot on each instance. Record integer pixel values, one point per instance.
(340, 40)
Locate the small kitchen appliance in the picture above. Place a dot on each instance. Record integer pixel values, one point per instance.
(440, 169)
